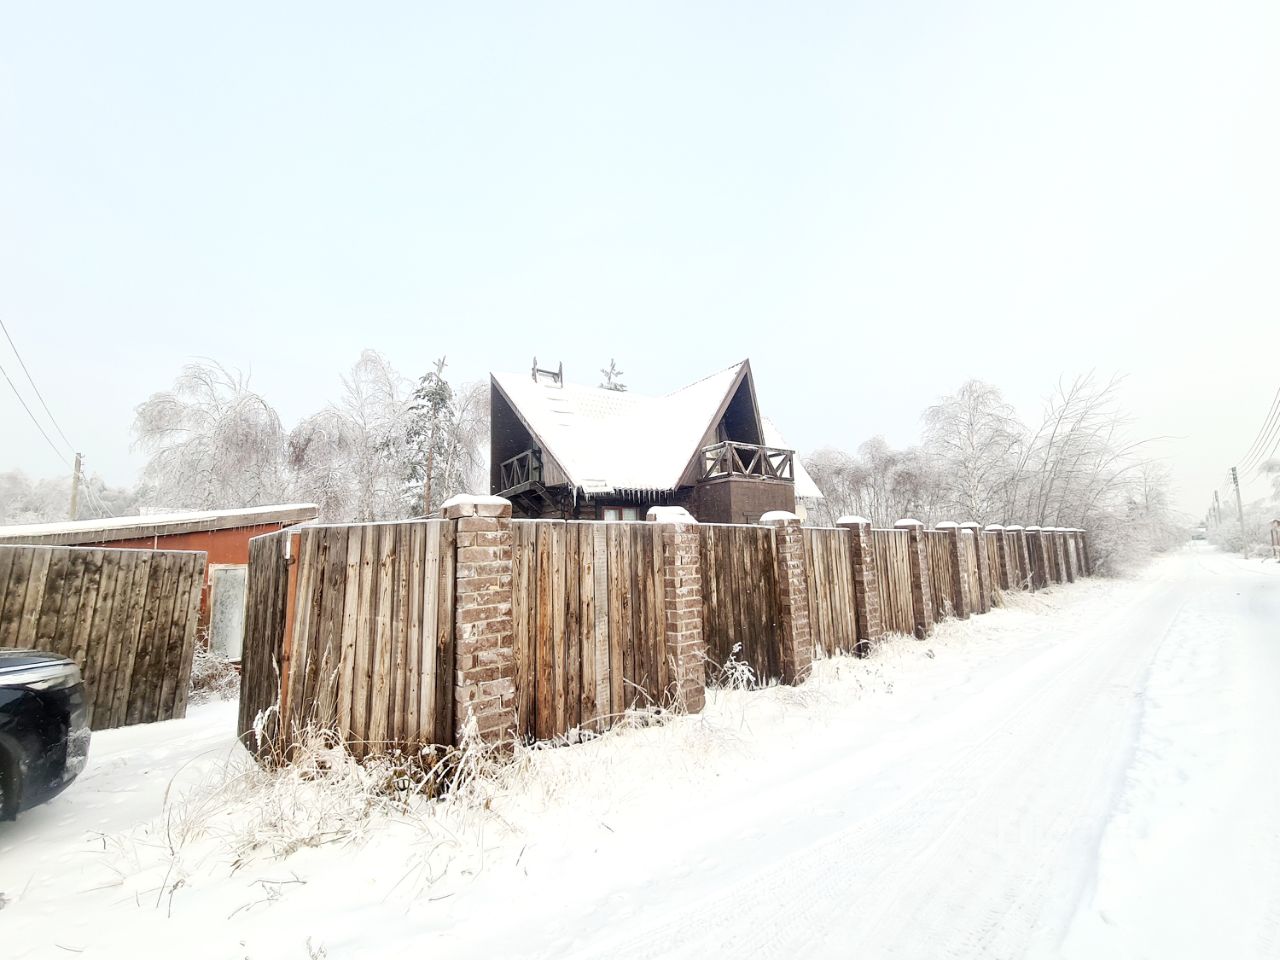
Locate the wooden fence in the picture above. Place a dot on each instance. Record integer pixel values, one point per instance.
(741, 602)
(893, 576)
(588, 623)
(127, 617)
(356, 634)
(832, 600)
(394, 634)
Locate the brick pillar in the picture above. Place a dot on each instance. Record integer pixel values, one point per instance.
(1001, 575)
(981, 603)
(793, 587)
(866, 588)
(484, 689)
(921, 589)
(682, 589)
(961, 602)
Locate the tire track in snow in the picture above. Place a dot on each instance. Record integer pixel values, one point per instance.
(931, 870)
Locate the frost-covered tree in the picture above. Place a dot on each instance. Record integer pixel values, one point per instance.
(212, 442)
(970, 438)
(23, 500)
(352, 458)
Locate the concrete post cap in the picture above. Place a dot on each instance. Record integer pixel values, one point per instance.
(475, 505)
(849, 519)
(779, 516)
(669, 515)
(1014, 526)
(995, 526)
(908, 522)
(946, 525)
(970, 525)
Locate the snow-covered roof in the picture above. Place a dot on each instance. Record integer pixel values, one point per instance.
(612, 440)
(155, 524)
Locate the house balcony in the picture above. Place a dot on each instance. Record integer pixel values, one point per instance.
(746, 461)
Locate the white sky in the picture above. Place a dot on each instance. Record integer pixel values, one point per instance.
(871, 201)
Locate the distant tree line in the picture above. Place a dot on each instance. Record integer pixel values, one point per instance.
(377, 452)
(977, 461)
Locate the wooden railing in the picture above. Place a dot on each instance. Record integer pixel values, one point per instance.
(731, 459)
(522, 468)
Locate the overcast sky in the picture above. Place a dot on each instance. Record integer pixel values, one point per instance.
(872, 201)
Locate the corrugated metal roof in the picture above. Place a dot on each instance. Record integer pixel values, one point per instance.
(156, 524)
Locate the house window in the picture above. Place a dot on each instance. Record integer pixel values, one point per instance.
(619, 513)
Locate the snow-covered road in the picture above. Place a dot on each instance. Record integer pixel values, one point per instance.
(1093, 772)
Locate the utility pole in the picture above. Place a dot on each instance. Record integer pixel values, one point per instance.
(75, 490)
(1244, 544)
(1217, 510)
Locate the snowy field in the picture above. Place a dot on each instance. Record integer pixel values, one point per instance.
(1092, 773)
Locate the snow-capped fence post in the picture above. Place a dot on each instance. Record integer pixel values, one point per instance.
(1001, 574)
(961, 601)
(484, 689)
(981, 603)
(921, 589)
(1085, 564)
(866, 587)
(793, 590)
(1059, 556)
(682, 605)
(1021, 554)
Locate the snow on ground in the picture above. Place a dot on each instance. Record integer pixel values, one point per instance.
(1089, 773)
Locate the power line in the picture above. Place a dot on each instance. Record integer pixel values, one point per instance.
(52, 446)
(31, 380)
(1272, 417)
(1257, 456)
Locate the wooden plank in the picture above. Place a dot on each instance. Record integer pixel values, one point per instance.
(571, 572)
(556, 601)
(544, 626)
(583, 572)
(363, 669)
(600, 620)
(82, 622)
(428, 601)
(523, 620)
(396, 726)
(350, 623)
(412, 616)
(153, 594)
(102, 646)
(16, 569)
(381, 692)
(188, 648)
(34, 594)
(69, 606)
(126, 622)
(619, 621)
(170, 641)
(445, 635)
(51, 601)
(332, 626)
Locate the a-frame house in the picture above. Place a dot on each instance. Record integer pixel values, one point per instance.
(579, 452)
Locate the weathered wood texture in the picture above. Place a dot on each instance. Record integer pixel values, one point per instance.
(353, 632)
(969, 560)
(589, 623)
(893, 573)
(990, 541)
(741, 599)
(127, 617)
(828, 564)
(941, 580)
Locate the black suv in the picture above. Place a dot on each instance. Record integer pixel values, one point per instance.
(44, 734)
